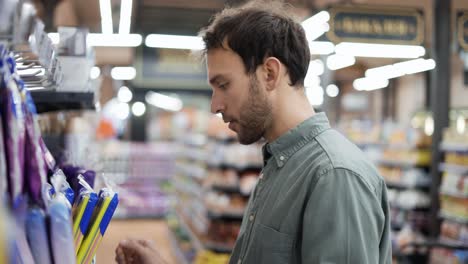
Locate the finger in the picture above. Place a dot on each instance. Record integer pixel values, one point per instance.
(119, 255)
(133, 246)
(147, 243)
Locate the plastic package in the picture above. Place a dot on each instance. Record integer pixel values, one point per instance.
(108, 201)
(35, 173)
(14, 133)
(83, 212)
(36, 232)
(61, 185)
(61, 234)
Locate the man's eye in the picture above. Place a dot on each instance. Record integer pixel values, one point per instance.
(223, 86)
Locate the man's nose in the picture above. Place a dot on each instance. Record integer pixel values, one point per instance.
(217, 106)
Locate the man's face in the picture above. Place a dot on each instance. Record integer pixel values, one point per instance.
(239, 97)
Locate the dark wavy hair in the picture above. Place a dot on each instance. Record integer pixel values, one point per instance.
(258, 30)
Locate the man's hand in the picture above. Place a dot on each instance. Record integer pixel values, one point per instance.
(137, 251)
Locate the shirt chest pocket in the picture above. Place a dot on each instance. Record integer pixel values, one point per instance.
(271, 246)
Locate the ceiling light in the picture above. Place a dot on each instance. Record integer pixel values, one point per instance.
(138, 109)
(315, 95)
(174, 42)
(339, 61)
(122, 111)
(461, 124)
(124, 95)
(321, 47)
(316, 25)
(125, 16)
(163, 101)
(311, 81)
(429, 126)
(123, 73)
(54, 37)
(379, 50)
(106, 16)
(316, 68)
(369, 84)
(114, 40)
(401, 68)
(94, 73)
(332, 90)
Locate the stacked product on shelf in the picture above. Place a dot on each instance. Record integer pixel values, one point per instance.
(214, 180)
(44, 214)
(453, 194)
(402, 156)
(142, 174)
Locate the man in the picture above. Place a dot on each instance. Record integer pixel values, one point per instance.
(318, 199)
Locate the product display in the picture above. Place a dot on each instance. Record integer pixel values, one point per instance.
(453, 199)
(214, 179)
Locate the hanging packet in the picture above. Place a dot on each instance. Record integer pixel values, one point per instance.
(35, 172)
(13, 131)
(61, 185)
(61, 233)
(36, 232)
(83, 212)
(108, 201)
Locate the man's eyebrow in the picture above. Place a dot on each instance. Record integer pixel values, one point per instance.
(215, 78)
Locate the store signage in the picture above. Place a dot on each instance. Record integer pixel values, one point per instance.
(462, 28)
(376, 25)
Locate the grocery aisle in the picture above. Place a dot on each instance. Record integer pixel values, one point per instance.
(156, 230)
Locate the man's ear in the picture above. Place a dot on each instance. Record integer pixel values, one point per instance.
(272, 72)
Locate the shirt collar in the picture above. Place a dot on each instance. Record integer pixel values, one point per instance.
(289, 143)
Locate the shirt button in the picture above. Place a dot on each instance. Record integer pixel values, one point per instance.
(251, 217)
(261, 176)
(281, 157)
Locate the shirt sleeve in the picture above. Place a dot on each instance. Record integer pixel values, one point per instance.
(345, 221)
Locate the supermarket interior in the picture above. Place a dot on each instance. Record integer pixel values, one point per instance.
(107, 131)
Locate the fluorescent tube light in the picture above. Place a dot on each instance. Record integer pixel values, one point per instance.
(125, 16)
(124, 94)
(332, 90)
(315, 95)
(163, 101)
(174, 42)
(339, 61)
(316, 25)
(379, 50)
(369, 84)
(138, 109)
(401, 68)
(123, 73)
(94, 73)
(321, 47)
(114, 40)
(106, 16)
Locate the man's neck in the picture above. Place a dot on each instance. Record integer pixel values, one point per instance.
(289, 111)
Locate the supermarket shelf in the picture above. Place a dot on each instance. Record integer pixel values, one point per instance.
(229, 190)
(139, 216)
(196, 241)
(400, 163)
(178, 252)
(451, 147)
(454, 194)
(48, 101)
(199, 243)
(239, 168)
(454, 218)
(452, 168)
(219, 247)
(404, 186)
(417, 208)
(228, 216)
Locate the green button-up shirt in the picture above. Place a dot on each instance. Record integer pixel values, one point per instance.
(317, 200)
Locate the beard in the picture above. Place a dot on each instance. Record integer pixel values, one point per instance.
(255, 115)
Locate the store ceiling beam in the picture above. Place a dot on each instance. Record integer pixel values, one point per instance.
(439, 98)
